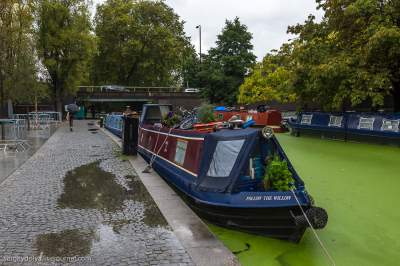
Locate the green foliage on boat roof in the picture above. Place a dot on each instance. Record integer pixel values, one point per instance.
(205, 113)
(277, 175)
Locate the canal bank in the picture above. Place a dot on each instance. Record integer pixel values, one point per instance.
(357, 184)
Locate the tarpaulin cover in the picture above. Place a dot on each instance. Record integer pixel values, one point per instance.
(225, 154)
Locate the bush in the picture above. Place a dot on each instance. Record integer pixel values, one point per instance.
(205, 113)
(171, 120)
(278, 177)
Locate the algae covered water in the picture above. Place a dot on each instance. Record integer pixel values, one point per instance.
(358, 186)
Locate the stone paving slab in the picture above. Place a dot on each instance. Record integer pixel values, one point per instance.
(77, 201)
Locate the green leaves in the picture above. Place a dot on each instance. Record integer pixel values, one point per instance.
(278, 175)
(351, 57)
(65, 44)
(226, 65)
(140, 43)
(205, 113)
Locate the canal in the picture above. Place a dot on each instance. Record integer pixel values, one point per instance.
(358, 185)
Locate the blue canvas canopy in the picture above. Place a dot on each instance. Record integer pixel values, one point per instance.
(225, 154)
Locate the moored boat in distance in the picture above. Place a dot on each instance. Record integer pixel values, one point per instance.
(221, 176)
(370, 127)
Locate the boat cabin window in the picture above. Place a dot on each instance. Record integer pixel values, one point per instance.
(390, 125)
(306, 119)
(180, 151)
(335, 121)
(366, 123)
(154, 114)
(224, 157)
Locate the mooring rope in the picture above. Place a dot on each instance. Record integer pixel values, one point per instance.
(154, 156)
(314, 231)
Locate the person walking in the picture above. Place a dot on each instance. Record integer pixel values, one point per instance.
(72, 109)
(70, 118)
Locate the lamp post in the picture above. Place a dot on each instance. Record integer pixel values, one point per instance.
(199, 27)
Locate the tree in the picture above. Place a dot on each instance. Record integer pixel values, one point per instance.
(140, 43)
(350, 57)
(18, 71)
(65, 44)
(191, 69)
(360, 58)
(228, 63)
(270, 80)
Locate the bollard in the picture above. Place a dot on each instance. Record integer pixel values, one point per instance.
(101, 123)
(130, 135)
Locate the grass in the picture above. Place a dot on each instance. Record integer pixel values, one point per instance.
(358, 186)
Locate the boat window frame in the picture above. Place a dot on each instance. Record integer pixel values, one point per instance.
(180, 152)
(369, 120)
(394, 128)
(306, 119)
(223, 153)
(335, 121)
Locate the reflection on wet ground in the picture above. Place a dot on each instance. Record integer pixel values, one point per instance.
(90, 187)
(11, 161)
(68, 243)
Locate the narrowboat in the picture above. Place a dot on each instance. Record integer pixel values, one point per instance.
(370, 127)
(114, 123)
(220, 176)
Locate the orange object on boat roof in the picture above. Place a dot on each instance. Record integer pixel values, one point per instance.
(208, 127)
(271, 117)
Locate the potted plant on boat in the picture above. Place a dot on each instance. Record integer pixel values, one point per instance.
(277, 175)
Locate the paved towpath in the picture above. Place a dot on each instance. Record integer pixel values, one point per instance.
(77, 201)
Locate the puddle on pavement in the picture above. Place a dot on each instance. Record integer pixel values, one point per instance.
(67, 243)
(90, 187)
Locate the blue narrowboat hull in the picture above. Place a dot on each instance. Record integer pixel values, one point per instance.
(239, 204)
(272, 214)
(350, 127)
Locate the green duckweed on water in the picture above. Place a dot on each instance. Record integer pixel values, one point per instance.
(358, 186)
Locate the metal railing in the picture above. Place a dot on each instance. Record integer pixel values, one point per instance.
(13, 129)
(40, 120)
(122, 89)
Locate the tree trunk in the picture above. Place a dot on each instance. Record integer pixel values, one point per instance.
(1, 97)
(57, 96)
(58, 101)
(396, 97)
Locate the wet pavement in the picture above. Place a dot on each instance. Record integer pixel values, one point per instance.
(11, 161)
(77, 201)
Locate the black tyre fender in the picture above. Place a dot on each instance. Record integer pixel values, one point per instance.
(317, 216)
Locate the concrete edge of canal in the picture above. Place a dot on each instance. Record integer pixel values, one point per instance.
(201, 244)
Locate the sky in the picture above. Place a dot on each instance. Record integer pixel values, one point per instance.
(267, 20)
